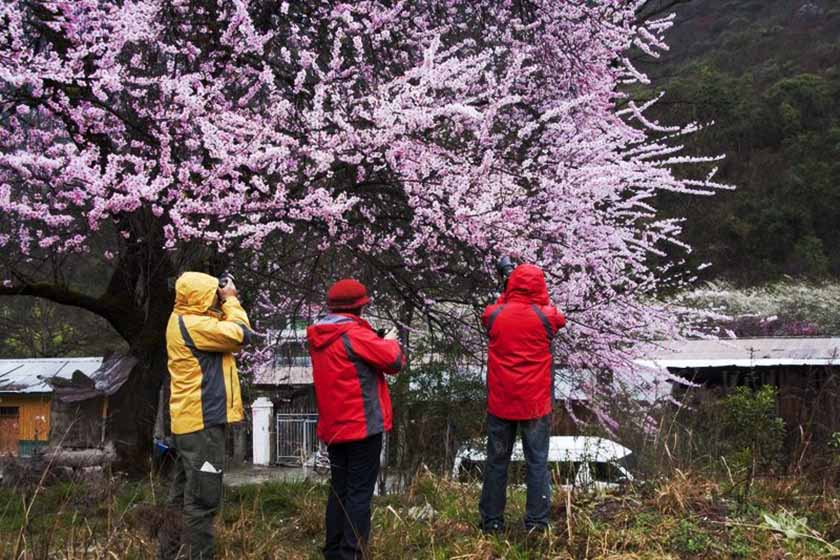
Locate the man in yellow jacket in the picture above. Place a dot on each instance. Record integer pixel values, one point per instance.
(207, 326)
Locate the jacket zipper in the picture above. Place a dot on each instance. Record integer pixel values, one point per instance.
(230, 384)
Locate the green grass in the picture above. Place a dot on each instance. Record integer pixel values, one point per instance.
(678, 517)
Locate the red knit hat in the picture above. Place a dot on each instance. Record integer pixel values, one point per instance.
(347, 294)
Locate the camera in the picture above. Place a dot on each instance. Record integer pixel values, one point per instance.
(504, 266)
(383, 333)
(225, 278)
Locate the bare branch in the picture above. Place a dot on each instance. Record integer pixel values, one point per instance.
(123, 320)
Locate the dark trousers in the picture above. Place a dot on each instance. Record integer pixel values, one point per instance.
(354, 467)
(535, 439)
(195, 496)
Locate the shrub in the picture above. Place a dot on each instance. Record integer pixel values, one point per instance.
(754, 431)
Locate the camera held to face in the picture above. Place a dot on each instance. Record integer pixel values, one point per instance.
(504, 267)
(225, 278)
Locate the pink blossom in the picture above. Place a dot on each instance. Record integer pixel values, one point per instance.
(417, 134)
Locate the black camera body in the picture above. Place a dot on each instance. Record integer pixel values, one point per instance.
(225, 278)
(504, 266)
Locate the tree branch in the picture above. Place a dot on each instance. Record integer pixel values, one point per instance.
(655, 8)
(124, 321)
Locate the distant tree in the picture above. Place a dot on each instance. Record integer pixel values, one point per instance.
(773, 105)
(38, 328)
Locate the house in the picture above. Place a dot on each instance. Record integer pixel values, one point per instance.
(804, 370)
(287, 382)
(26, 399)
(287, 378)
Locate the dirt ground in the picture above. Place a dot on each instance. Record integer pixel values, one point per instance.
(253, 474)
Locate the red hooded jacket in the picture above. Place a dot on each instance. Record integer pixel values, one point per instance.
(521, 325)
(348, 362)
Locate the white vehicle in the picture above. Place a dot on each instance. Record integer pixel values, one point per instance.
(581, 462)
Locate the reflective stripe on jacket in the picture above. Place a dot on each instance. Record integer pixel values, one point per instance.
(200, 344)
(521, 326)
(348, 363)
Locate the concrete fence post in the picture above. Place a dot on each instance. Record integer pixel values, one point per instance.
(262, 414)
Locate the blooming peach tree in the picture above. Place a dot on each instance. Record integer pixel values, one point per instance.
(413, 141)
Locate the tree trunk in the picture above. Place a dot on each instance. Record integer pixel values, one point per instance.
(400, 389)
(132, 410)
(81, 458)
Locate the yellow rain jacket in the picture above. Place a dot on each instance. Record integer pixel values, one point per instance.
(200, 343)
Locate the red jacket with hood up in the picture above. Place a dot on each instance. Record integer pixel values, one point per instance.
(348, 363)
(521, 325)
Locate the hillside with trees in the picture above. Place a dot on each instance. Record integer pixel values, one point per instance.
(767, 74)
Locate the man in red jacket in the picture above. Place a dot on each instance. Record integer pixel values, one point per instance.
(520, 387)
(349, 361)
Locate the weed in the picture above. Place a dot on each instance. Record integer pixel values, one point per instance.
(688, 538)
(738, 544)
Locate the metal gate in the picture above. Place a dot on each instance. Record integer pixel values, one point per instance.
(296, 438)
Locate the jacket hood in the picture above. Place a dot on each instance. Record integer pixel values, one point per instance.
(526, 284)
(330, 327)
(195, 292)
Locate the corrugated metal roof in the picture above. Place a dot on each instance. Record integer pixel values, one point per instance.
(744, 352)
(30, 375)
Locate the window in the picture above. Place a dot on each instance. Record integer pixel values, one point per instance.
(291, 354)
(9, 411)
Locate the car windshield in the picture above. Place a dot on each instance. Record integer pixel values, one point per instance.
(607, 472)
